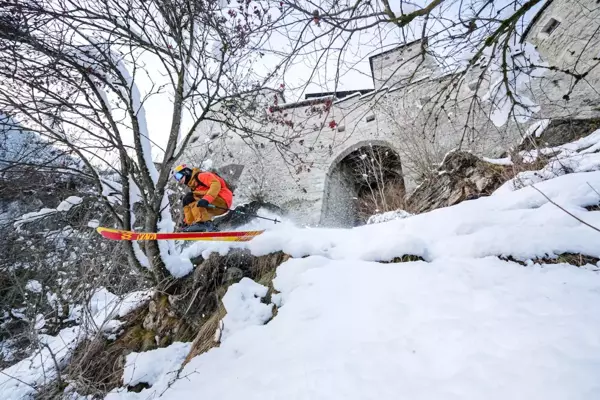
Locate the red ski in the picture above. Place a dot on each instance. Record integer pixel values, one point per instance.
(233, 236)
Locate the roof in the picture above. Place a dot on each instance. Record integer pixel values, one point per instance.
(338, 95)
(534, 20)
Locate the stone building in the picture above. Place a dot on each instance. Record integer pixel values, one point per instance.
(311, 169)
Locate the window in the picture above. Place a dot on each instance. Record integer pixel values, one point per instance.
(551, 26)
(370, 118)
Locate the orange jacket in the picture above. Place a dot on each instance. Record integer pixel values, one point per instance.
(206, 185)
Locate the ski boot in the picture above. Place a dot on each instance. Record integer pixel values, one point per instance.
(207, 226)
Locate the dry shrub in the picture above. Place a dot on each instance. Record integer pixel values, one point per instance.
(205, 339)
(376, 174)
(262, 270)
(390, 198)
(575, 259)
(518, 165)
(97, 365)
(593, 208)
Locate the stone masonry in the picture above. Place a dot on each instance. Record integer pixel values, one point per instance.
(304, 177)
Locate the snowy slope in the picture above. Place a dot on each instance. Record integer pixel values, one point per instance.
(521, 223)
(451, 329)
(464, 325)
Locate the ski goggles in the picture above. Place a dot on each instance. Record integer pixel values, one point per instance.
(178, 176)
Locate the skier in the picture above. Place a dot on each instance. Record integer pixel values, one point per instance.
(207, 189)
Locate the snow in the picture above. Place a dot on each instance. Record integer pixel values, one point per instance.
(524, 63)
(582, 155)
(7, 349)
(143, 367)
(111, 190)
(68, 203)
(155, 367)
(22, 380)
(388, 216)
(34, 286)
(450, 329)
(498, 161)
(93, 223)
(520, 223)
(463, 324)
(33, 216)
(537, 128)
(178, 265)
(19, 381)
(40, 322)
(244, 307)
(104, 306)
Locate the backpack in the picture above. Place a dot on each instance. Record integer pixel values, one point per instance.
(229, 173)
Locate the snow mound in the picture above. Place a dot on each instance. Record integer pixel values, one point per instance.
(450, 329)
(521, 223)
(387, 216)
(582, 155)
(68, 203)
(244, 307)
(20, 380)
(105, 306)
(149, 366)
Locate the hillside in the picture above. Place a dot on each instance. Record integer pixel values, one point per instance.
(493, 298)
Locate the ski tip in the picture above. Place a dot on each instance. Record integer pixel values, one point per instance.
(108, 233)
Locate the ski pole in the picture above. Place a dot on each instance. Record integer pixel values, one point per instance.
(241, 212)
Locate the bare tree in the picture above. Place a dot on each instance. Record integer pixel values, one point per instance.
(477, 52)
(71, 72)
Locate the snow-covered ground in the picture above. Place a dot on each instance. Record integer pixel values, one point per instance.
(462, 324)
(25, 378)
(521, 223)
(450, 329)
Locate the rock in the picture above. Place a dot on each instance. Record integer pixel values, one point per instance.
(462, 176)
(561, 131)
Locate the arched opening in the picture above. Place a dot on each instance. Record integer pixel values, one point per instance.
(365, 180)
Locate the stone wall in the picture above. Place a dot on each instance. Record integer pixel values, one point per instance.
(401, 65)
(302, 176)
(573, 45)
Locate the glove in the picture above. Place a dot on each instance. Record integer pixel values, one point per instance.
(202, 203)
